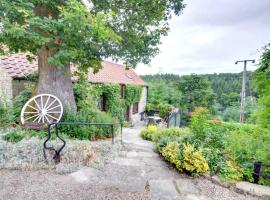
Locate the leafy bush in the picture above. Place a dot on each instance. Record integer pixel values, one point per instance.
(6, 115)
(13, 136)
(173, 133)
(185, 158)
(168, 142)
(91, 132)
(21, 99)
(231, 172)
(147, 134)
(164, 109)
(193, 160)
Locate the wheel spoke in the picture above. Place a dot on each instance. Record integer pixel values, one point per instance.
(46, 102)
(52, 116)
(31, 117)
(51, 104)
(54, 112)
(37, 104)
(41, 101)
(42, 119)
(39, 118)
(53, 107)
(30, 112)
(47, 119)
(32, 107)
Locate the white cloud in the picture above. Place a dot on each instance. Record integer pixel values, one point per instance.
(211, 35)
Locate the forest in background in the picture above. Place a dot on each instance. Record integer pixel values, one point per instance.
(219, 92)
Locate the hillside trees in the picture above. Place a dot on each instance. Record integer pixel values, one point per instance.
(196, 92)
(262, 86)
(60, 32)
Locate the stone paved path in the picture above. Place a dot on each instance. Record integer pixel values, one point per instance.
(137, 172)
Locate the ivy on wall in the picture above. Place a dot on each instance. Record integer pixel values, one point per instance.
(132, 94)
(115, 105)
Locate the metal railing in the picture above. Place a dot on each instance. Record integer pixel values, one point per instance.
(56, 156)
(258, 168)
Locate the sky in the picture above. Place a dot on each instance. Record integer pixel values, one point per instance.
(210, 35)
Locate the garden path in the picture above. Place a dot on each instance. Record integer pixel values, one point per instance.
(136, 172)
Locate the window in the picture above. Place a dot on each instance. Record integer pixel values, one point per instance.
(103, 102)
(122, 95)
(135, 108)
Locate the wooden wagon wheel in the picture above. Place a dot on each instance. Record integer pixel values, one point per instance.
(43, 108)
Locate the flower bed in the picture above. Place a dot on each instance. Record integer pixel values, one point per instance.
(210, 145)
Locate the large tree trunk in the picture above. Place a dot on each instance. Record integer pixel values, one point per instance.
(55, 80)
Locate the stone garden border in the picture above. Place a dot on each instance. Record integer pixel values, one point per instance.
(243, 187)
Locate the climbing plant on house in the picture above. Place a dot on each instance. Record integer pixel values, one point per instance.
(132, 94)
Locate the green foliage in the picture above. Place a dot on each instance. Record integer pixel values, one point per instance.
(132, 94)
(20, 100)
(231, 172)
(39, 134)
(162, 92)
(163, 88)
(147, 134)
(169, 143)
(6, 115)
(175, 134)
(86, 97)
(196, 92)
(262, 86)
(84, 35)
(185, 158)
(88, 132)
(227, 149)
(114, 105)
(13, 137)
(227, 87)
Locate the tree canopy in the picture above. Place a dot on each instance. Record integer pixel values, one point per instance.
(85, 32)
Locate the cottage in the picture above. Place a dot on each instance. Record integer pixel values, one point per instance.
(14, 69)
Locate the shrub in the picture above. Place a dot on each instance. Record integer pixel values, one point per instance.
(21, 99)
(185, 158)
(231, 172)
(91, 132)
(6, 115)
(147, 134)
(173, 133)
(13, 136)
(171, 153)
(193, 160)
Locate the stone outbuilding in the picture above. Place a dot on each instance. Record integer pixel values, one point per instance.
(15, 68)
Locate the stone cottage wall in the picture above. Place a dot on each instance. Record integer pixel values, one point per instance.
(5, 87)
(18, 86)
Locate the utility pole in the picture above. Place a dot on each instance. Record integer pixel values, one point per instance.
(243, 91)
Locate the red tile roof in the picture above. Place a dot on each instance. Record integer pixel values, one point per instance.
(17, 66)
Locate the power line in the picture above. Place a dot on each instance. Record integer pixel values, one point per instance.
(243, 91)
